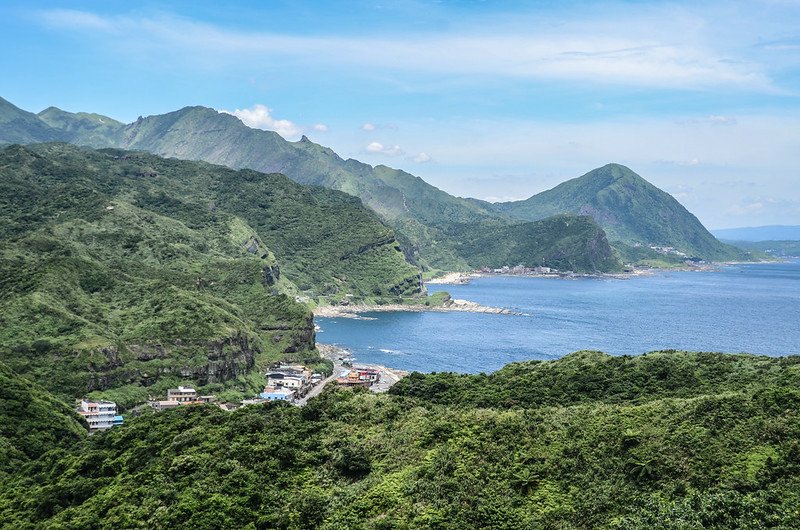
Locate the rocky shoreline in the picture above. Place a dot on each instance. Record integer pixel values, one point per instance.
(354, 311)
(389, 376)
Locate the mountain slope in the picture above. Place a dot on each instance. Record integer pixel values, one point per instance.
(629, 209)
(429, 220)
(665, 440)
(91, 129)
(406, 202)
(127, 271)
(32, 422)
(22, 127)
(564, 242)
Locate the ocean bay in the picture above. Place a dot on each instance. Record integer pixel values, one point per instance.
(751, 308)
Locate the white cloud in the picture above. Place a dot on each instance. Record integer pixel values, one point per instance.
(321, 127)
(676, 52)
(722, 120)
(421, 158)
(713, 119)
(368, 127)
(260, 117)
(390, 150)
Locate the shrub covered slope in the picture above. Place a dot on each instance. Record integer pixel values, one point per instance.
(667, 440)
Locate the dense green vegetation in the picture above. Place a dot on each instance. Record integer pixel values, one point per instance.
(127, 273)
(564, 242)
(590, 376)
(431, 224)
(630, 210)
(667, 440)
(32, 422)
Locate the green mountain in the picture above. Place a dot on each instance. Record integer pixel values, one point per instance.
(660, 441)
(129, 272)
(22, 127)
(406, 202)
(91, 129)
(631, 211)
(429, 222)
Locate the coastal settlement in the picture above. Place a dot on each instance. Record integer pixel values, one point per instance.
(291, 383)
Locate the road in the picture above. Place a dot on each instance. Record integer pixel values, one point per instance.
(337, 369)
(388, 378)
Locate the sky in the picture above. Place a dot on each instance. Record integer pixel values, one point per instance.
(497, 100)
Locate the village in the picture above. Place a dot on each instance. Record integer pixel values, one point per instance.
(290, 383)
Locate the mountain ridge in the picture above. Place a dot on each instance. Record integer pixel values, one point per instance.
(427, 219)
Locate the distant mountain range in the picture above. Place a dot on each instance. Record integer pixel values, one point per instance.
(760, 233)
(438, 230)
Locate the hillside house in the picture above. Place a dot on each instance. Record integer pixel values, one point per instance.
(100, 415)
(182, 394)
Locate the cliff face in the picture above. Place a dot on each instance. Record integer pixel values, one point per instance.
(214, 361)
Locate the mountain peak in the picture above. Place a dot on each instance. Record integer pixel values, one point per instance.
(614, 170)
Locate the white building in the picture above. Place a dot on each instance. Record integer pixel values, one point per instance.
(182, 394)
(100, 415)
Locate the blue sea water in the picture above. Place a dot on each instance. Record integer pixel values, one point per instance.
(752, 308)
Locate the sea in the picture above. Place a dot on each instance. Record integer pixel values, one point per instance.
(750, 308)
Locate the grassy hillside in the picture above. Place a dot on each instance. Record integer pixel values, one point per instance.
(32, 422)
(629, 209)
(406, 202)
(669, 455)
(126, 273)
(90, 128)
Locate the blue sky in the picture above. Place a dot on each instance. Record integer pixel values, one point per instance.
(496, 100)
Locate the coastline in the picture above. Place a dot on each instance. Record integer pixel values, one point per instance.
(463, 278)
(389, 376)
(353, 311)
